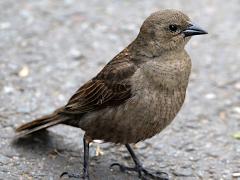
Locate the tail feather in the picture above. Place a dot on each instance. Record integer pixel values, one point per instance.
(39, 124)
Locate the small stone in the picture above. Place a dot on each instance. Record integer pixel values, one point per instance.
(183, 172)
(24, 72)
(208, 60)
(7, 132)
(113, 37)
(27, 15)
(222, 115)
(236, 174)
(15, 158)
(68, 2)
(200, 173)
(4, 159)
(5, 25)
(237, 86)
(61, 97)
(236, 135)
(210, 96)
(75, 53)
(190, 149)
(24, 43)
(141, 145)
(236, 109)
(24, 109)
(8, 89)
(193, 158)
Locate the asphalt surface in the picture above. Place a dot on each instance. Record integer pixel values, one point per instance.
(49, 48)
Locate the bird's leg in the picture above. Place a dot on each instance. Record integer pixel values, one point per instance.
(86, 158)
(139, 168)
(85, 175)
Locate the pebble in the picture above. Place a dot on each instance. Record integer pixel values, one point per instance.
(4, 159)
(194, 158)
(5, 25)
(24, 109)
(210, 96)
(24, 72)
(236, 109)
(236, 174)
(236, 135)
(68, 2)
(7, 132)
(182, 171)
(8, 89)
(75, 53)
(237, 86)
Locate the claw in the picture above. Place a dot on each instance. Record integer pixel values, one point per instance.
(115, 164)
(123, 168)
(73, 175)
(119, 165)
(157, 175)
(161, 173)
(140, 170)
(63, 174)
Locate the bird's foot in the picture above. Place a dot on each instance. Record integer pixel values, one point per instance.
(77, 176)
(142, 173)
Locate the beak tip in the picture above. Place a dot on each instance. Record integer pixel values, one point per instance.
(204, 32)
(194, 30)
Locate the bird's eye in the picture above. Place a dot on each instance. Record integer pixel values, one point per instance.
(173, 27)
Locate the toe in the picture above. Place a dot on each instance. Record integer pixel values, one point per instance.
(73, 175)
(156, 175)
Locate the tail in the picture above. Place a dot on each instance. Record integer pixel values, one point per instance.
(41, 123)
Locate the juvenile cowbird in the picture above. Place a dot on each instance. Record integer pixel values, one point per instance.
(136, 95)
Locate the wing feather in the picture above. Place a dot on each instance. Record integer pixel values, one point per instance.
(110, 87)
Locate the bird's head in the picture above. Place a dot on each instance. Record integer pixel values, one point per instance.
(168, 30)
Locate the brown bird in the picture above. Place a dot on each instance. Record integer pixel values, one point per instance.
(136, 95)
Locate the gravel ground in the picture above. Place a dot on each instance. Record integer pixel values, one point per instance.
(50, 47)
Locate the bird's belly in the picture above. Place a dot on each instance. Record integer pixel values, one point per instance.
(143, 116)
(153, 114)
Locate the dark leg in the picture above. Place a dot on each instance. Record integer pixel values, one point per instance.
(135, 159)
(139, 168)
(85, 163)
(86, 159)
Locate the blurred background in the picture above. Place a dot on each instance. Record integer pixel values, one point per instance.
(48, 48)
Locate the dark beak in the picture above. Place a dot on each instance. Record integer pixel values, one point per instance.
(193, 30)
